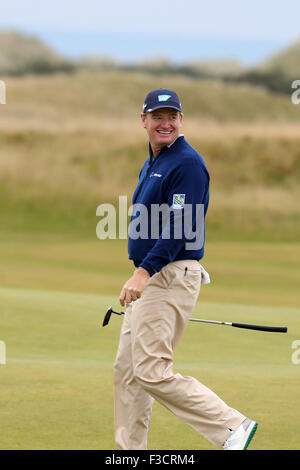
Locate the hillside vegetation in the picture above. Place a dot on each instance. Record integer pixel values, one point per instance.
(21, 54)
(62, 100)
(286, 61)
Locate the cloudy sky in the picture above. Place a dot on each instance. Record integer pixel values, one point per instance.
(180, 29)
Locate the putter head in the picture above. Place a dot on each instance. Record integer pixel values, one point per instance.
(107, 316)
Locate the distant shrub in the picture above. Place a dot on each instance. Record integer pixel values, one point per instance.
(274, 81)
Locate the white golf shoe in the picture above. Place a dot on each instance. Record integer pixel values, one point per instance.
(241, 437)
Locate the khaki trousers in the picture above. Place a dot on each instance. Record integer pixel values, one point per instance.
(143, 369)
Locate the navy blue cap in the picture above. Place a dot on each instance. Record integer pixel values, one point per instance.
(161, 98)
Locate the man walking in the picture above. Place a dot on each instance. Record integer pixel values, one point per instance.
(161, 294)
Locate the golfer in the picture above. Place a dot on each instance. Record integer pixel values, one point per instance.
(162, 292)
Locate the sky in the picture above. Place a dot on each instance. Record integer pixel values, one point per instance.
(180, 30)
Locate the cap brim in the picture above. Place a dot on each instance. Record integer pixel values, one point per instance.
(160, 106)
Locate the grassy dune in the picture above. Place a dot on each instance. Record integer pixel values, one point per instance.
(70, 99)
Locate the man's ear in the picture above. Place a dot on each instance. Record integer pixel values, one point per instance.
(143, 118)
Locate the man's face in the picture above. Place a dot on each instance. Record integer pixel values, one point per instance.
(162, 126)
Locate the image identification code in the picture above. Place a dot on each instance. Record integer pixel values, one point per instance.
(150, 459)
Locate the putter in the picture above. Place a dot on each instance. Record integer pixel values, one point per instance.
(272, 329)
(108, 315)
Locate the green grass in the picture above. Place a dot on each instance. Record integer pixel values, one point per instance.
(245, 273)
(56, 387)
(44, 217)
(57, 384)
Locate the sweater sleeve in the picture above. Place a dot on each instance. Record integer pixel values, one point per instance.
(186, 194)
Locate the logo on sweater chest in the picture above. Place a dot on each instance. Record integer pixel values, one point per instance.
(178, 201)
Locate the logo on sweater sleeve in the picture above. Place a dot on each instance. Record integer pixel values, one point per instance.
(178, 201)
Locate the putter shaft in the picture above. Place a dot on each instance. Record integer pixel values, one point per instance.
(273, 329)
(211, 321)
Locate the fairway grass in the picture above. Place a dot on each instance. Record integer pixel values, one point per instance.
(57, 384)
(241, 273)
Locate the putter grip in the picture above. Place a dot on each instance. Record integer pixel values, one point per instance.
(274, 329)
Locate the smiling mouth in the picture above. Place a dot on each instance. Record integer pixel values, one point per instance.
(164, 133)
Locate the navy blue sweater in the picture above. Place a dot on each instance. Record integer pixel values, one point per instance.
(177, 177)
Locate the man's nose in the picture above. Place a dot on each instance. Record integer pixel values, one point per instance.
(165, 123)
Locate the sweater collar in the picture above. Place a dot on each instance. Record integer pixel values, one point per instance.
(163, 149)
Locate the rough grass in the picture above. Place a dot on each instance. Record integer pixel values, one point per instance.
(101, 163)
(70, 99)
(67, 146)
(53, 182)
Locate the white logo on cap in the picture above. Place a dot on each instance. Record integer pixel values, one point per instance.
(163, 97)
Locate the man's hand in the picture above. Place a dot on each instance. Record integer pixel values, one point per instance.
(133, 288)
